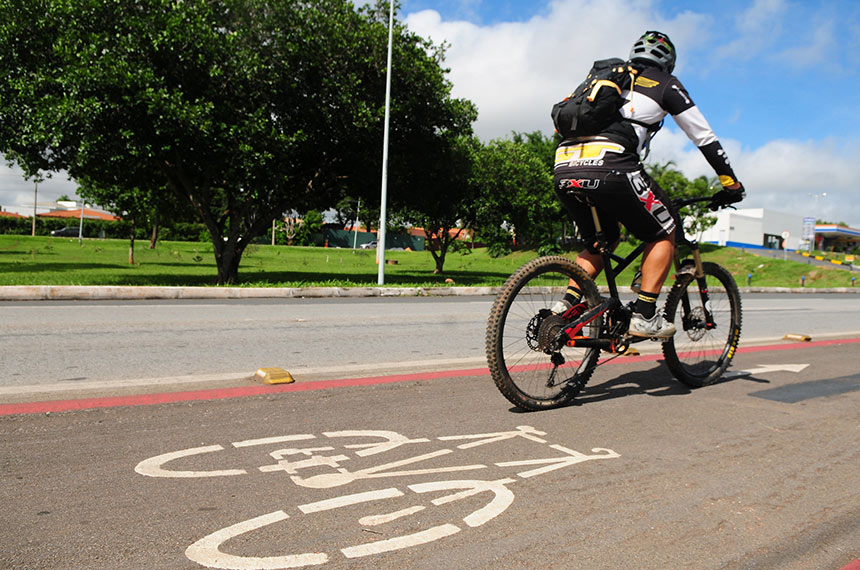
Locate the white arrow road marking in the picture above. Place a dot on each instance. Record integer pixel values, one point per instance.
(767, 368)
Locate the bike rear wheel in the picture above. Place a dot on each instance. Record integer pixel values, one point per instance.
(698, 355)
(526, 371)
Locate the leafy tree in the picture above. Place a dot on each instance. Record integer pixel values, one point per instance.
(243, 108)
(444, 199)
(697, 217)
(516, 200)
(311, 224)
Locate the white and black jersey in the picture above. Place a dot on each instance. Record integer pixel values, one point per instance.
(657, 94)
(607, 169)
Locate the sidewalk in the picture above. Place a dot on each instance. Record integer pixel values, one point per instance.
(99, 293)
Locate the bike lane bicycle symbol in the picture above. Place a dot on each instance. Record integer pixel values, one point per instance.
(210, 551)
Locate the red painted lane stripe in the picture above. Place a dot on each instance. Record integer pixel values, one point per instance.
(853, 566)
(222, 393)
(243, 391)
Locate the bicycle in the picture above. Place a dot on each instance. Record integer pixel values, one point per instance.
(541, 360)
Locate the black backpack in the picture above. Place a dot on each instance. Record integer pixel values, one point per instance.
(594, 105)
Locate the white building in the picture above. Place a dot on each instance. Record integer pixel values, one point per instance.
(755, 228)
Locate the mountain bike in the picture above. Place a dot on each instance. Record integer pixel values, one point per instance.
(541, 360)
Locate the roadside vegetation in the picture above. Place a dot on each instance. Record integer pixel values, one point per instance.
(26, 260)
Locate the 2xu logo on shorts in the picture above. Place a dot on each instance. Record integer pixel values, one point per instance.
(652, 204)
(580, 184)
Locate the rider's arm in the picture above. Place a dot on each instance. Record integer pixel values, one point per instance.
(691, 120)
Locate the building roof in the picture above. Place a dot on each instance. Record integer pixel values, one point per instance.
(11, 215)
(835, 231)
(87, 214)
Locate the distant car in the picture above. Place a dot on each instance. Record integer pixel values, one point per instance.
(369, 245)
(66, 231)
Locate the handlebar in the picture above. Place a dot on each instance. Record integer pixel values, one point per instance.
(681, 202)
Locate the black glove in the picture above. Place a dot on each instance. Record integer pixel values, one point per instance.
(725, 197)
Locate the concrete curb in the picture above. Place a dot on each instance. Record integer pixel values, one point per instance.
(99, 293)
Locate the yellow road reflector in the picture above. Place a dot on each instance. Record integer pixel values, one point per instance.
(274, 376)
(800, 337)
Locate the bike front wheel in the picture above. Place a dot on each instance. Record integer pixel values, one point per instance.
(700, 352)
(530, 372)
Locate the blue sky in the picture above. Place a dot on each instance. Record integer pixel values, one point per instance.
(777, 79)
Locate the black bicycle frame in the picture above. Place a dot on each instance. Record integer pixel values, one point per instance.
(621, 263)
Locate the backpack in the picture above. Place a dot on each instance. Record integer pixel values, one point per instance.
(595, 104)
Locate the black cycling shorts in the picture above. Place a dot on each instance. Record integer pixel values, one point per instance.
(631, 198)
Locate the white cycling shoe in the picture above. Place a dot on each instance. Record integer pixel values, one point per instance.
(655, 327)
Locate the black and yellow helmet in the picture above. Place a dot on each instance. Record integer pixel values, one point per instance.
(655, 47)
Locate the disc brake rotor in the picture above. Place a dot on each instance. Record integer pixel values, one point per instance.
(696, 329)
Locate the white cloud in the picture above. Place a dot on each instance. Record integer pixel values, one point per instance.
(816, 48)
(515, 71)
(17, 193)
(782, 175)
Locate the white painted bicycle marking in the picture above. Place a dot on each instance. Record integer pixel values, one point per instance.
(398, 542)
(347, 500)
(320, 467)
(394, 440)
(271, 440)
(153, 467)
(526, 432)
(559, 462)
(502, 496)
(374, 520)
(206, 550)
(344, 477)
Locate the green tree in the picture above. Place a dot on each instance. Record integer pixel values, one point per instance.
(311, 224)
(697, 217)
(516, 200)
(444, 199)
(243, 108)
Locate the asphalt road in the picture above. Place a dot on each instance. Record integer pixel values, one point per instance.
(52, 348)
(394, 449)
(757, 472)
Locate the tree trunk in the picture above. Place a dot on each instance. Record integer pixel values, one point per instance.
(227, 258)
(154, 238)
(438, 248)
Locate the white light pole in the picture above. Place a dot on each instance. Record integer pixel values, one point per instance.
(81, 228)
(380, 240)
(35, 203)
(811, 245)
(355, 225)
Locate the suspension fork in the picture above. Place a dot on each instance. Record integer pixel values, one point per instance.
(701, 282)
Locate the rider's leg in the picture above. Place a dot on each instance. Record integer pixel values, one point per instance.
(656, 262)
(592, 263)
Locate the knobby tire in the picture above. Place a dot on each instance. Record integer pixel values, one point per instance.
(521, 369)
(695, 355)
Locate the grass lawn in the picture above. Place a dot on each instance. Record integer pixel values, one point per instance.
(26, 260)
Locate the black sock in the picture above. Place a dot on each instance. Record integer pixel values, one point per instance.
(646, 304)
(572, 295)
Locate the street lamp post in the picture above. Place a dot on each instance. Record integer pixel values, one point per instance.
(380, 245)
(811, 242)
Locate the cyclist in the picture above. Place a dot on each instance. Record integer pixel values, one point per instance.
(608, 168)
